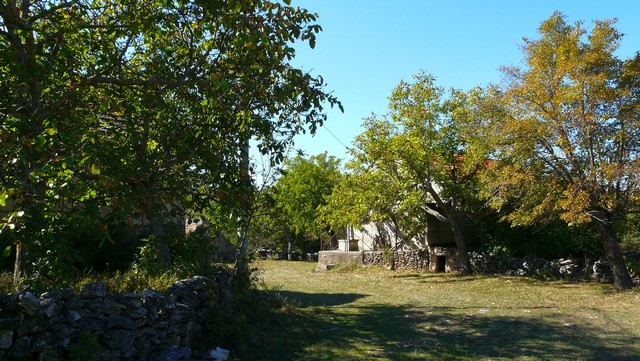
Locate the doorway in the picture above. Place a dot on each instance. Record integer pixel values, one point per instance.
(441, 263)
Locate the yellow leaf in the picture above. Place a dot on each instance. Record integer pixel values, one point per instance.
(152, 145)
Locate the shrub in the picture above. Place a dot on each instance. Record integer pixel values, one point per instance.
(6, 283)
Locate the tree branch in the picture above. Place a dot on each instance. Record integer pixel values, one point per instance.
(45, 13)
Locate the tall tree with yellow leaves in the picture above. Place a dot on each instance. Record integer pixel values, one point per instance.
(567, 135)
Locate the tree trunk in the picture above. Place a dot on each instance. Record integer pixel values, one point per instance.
(288, 237)
(18, 266)
(164, 256)
(242, 258)
(464, 264)
(241, 265)
(621, 276)
(246, 211)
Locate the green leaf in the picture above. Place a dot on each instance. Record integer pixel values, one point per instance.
(95, 170)
(3, 199)
(41, 141)
(7, 251)
(288, 2)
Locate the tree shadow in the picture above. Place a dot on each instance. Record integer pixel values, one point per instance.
(445, 278)
(442, 277)
(303, 300)
(319, 331)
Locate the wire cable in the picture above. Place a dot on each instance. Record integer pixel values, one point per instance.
(338, 139)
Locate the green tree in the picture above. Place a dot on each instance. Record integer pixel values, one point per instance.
(145, 108)
(413, 162)
(566, 133)
(373, 190)
(302, 191)
(267, 229)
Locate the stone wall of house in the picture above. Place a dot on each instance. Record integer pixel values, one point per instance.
(131, 326)
(442, 259)
(402, 259)
(375, 258)
(414, 259)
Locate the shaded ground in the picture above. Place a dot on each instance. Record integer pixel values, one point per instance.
(422, 320)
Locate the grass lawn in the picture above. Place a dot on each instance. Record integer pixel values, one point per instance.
(376, 314)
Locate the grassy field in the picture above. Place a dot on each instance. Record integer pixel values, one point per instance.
(376, 314)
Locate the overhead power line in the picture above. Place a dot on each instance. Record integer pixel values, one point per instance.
(338, 139)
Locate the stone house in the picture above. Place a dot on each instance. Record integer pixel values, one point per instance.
(437, 243)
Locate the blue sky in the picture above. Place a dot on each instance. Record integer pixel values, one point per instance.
(368, 46)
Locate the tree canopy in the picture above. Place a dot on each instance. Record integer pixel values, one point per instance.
(566, 133)
(410, 163)
(145, 107)
(557, 139)
(302, 191)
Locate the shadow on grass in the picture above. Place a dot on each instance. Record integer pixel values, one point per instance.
(303, 300)
(432, 278)
(316, 331)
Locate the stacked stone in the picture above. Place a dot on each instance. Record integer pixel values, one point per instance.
(414, 259)
(569, 268)
(527, 266)
(311, 257)
(602, 271)
(128, 326)
(374, 258)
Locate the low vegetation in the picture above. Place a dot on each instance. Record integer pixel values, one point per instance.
(376, 314)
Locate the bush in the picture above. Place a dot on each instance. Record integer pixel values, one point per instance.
(551, 240)
(6, 283)
(51, 261)
(71, 247)
(230, 321)
(629, 229)
(130, 281)
(193, 254)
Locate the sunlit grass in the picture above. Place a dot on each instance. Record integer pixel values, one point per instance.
(376, 314)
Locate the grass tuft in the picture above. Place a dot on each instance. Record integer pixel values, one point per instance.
(6, 283)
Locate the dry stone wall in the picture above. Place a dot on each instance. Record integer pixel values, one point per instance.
(528, 266)
(133, 326)
(399, 259)
(581, 268)
(597, 270)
